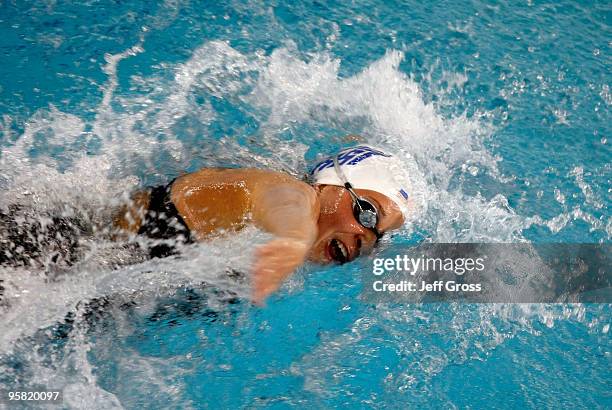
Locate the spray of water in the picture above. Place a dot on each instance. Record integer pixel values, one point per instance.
(161, 128)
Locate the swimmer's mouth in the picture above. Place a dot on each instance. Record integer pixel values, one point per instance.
(337, 251)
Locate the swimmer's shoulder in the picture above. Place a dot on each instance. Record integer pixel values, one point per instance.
(250, 178)
(229, 194)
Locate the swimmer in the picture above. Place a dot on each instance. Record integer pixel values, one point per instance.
(350, 200)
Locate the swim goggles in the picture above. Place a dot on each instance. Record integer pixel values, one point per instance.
(364, 211)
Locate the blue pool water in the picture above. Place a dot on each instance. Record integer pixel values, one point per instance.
(501, 108)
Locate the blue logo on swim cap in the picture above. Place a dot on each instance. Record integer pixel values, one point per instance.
(351, 156)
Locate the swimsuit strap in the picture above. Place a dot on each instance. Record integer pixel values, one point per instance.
(163, 221)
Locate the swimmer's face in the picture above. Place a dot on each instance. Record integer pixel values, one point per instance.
(340, 237)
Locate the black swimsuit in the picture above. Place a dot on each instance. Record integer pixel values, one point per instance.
(163, 222)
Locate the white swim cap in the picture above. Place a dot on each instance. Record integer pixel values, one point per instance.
(366, 167)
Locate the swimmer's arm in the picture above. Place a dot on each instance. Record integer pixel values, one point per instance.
(290, 212)
(287, 211)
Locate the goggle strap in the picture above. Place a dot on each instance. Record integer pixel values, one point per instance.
(339, 172)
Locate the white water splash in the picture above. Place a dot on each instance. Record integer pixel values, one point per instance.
(283, 89)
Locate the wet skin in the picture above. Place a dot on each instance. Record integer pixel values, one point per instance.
(315, 223)
(337, 223)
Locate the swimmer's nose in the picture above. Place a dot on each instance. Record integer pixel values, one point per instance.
(365, 242)
(368, 237)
